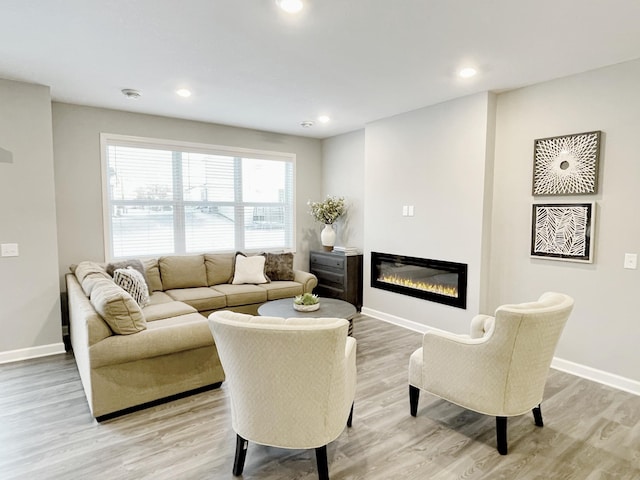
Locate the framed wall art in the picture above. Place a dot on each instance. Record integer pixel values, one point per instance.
(563, 231)
(566, 165)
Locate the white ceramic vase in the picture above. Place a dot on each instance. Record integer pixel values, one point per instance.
(328, 237)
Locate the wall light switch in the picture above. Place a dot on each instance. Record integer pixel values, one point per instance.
(411, 210)
(9, 250)
(405, 210)
(631, 260)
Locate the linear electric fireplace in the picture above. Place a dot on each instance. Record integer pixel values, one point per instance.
(434, 280)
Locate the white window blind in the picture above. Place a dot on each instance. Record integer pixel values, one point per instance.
(162, 198)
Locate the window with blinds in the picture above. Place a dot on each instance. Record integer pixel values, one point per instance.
(165, 198)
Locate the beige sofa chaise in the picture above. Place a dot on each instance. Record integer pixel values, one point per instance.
(129, 355)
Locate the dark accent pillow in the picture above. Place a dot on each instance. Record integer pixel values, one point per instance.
(279, 266)
(133, 263)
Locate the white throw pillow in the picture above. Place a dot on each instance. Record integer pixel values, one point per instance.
(133, 282)
(249, 270)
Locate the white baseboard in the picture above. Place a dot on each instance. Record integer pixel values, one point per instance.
(399, 321)
(599, 376)
(31, 352)
(593, 374)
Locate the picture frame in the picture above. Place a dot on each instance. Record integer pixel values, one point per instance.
(563, 231)
(566, 165)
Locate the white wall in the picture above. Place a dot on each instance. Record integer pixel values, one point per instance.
(604, 329)
(76, 131)
(343, 176)
(29, 288)
(435, 159)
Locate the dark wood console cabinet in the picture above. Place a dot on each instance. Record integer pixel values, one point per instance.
(339, 276)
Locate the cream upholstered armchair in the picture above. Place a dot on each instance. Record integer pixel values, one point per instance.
(291, 381)
(500, 369)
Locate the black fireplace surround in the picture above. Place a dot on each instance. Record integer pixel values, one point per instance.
(434, 280)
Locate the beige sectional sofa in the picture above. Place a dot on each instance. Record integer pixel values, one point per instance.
(129, 355)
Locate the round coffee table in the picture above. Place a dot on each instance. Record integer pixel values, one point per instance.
(329, 307)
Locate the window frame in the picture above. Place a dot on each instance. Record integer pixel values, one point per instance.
(109, 139)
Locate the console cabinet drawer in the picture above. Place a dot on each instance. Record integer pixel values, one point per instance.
(339, 276)
(321, 260)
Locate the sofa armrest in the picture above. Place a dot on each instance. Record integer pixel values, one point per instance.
(308, 280)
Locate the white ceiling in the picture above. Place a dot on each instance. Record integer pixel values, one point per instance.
(251, 65)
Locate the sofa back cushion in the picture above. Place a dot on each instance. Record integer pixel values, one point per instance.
(152, 273)
(219, 267)
(117, 308)
(88, 273)
(182, 271)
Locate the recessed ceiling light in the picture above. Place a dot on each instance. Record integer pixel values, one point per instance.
(290, 6)
(324, 119)
(467, 72)
(183, 92)
(131, 93)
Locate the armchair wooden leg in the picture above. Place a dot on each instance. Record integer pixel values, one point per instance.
(537, 416)
(350, 419)
(414, 396)
(321, 459)
(501, 434)
(241, 455)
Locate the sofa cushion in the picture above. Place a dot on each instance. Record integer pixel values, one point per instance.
(182, 271)
(278, 290)
(200, 298)
(249, 270)
(279, 266)
(242, 294)
(219, 267)
(88, 273)
(160, 311)
(133, 282)
(163, 337)
(152, 273)
(117, 308)
(156, 298)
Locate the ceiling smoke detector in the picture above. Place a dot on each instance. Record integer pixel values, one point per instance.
(306, 124)
(131, 93)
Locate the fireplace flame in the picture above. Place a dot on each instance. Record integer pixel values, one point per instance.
(425, 286)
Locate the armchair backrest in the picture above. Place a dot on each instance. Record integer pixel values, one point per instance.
(531, 332)
(286, 377)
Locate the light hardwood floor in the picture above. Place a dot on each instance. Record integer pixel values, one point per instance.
(591, 431)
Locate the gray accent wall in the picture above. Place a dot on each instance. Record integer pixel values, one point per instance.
(603, 332)
(466, 165)
(76, 131)
(29, 289)
(342, 176)
(435, 159)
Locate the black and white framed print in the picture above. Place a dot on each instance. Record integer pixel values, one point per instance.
(563, 231)
(566, 165)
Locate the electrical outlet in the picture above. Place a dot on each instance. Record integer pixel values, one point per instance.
(631, 261)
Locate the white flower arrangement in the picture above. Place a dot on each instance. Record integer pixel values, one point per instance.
(328, 211)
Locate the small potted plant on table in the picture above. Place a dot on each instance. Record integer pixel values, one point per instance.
(307, 302)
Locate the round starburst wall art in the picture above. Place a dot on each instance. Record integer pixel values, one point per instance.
(566, 165)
